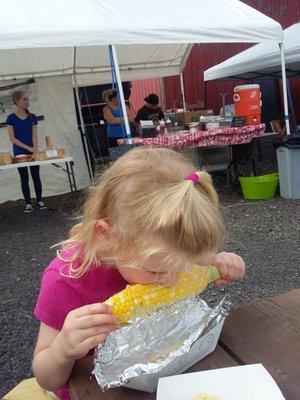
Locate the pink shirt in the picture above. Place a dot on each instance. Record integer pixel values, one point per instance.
(60, 294)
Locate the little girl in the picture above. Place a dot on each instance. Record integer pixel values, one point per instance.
(148, 218)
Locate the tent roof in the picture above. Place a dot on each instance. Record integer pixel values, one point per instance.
(260, 60)
(152, 38)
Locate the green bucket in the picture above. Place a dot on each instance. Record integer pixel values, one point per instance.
(259, 187)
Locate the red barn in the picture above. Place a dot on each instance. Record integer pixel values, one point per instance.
(204, 56)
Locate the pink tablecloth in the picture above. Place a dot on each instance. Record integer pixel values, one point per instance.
(186, 139)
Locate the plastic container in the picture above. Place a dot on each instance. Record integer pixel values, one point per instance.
(259, 187)
(288, 159)
(247, 103)
(169, 126)
(161, 128)
(212, 126)
(193, 125)
(22, 158)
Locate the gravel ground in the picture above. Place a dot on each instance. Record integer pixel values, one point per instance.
(266, 234)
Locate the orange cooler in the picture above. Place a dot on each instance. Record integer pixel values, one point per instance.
(247, 103)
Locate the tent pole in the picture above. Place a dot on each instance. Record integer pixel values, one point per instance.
(85, 144)
(123, 105)
(182, 92)
(291, 103)
(284, 87)
(162, 94)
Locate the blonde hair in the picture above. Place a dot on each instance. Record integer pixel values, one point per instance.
(145, 195)
(109, 94)
(16, 96)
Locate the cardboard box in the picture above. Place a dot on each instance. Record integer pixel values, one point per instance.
(205, 345)
(242, 382)
(191, 116)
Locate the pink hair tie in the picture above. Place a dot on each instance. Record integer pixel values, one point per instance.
(192, 177)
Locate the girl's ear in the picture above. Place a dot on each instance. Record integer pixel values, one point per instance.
(102, 229)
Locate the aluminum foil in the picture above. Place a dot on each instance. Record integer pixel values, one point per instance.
(148, 344)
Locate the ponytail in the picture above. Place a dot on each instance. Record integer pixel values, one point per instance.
(184, 212)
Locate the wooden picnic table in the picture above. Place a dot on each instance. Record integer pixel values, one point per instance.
(266, 332)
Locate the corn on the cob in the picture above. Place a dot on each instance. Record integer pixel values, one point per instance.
(139, 299)
(204, 397)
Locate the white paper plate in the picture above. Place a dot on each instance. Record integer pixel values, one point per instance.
(248, 382)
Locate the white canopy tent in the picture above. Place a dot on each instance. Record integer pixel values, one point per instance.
(41, 43)
(261, 60)
(151, 39)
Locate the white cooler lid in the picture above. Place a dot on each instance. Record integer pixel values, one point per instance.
(245, 87)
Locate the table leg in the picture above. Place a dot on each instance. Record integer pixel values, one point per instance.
(70, 172)
(235, 171)
(255, 165)
(228, 177)
(228, 172)
(73, 175)
(69, 176)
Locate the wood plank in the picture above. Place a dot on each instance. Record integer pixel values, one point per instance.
(268, 332)
(83, 386)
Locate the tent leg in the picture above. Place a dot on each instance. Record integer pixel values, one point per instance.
(122, 98)
(84, 141)
(182, 92)
(85, 144)
(291, 103)
(162, 94)
(284, 87)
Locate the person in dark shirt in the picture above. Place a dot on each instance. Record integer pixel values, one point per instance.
(22, 132)
(151, 110)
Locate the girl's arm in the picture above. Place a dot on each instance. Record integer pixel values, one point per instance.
(34, 138)
(56, 352)
(116, 120)
(13, 139)
(50, 366)
(129, 115)
(110, 118)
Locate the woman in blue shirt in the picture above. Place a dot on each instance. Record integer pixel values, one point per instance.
(22, 132)
(112, 113)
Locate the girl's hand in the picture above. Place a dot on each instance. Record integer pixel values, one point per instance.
(31, 149)
(84, 329)
(231, 266)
